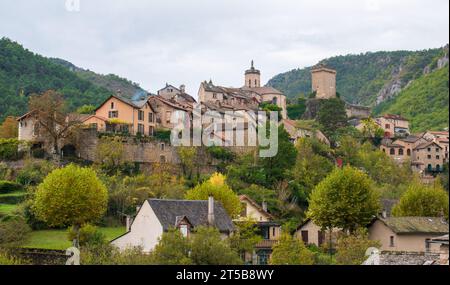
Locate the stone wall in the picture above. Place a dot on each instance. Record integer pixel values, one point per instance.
(408, 258)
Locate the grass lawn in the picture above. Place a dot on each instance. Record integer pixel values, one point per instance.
(57, 239)
(13, 194)
(7, 209)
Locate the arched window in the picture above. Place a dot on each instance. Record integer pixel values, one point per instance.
(438, 167)
(430, 167)
(400, 151)
(275, 101)
(392, 152)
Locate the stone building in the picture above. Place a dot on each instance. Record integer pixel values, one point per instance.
(393, 125)
(324, 82)
(250, 96)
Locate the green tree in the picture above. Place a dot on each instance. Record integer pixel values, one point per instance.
(332, 116)
(216, 187)
(246, 236)
(187, 156)
(172, 249)
(208, 248)
(275, 167)
(422, 201)
(71, 196)
(291, 251)
(351, 248)
(311, 167)
(346, 199)
(110, 155)
(86, 109)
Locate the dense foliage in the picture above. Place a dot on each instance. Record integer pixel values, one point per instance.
(362, 76)
(71, 196)
(291, 251)
(424, 102)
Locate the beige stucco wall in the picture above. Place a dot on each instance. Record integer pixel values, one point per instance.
(313, 233)
(127, 114)
(145, 231)
(324, 84)
(389, 125)
(378, 231)
(26, 129)
(254, 213)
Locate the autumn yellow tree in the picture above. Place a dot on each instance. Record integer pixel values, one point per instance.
(217, 188)
(9, 128)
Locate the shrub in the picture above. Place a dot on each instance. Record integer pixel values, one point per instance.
(9, 149)
(7, 259)
(34, 172)
(9, 187)
(13, 231)
(89, 235)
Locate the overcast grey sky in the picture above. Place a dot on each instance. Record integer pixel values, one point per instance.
(188, 41)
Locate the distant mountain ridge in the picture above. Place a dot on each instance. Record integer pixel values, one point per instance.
(23, 73)
(370, 78)
(110, 82)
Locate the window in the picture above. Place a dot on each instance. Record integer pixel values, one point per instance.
(265, 233)
(256, 82)
(392, 152)
(274, 232)
(163, 146)
(429, 149)
(249, 83)
(151, 131)
(305, 237)
(408, 152)
(113, 114)
(141, 129)
(168, 116)
(400, 151)
(184, 230)
(438, 157)
(391, 242)
(214, 96)
(429, 156)
(321, 238)
(437, 149)
(150, 117)
(112, 105)
(430, 167)
(141, 115)
(387, 126)
(438, 167)
(427, 245)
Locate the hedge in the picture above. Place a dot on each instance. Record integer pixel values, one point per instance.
(9, 187)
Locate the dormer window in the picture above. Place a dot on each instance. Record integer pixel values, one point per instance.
(184, 230)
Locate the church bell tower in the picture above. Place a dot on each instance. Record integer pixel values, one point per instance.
(252, 77)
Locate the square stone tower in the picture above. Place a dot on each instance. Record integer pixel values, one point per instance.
(324, 82)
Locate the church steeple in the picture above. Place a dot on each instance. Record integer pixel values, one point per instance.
(252, 77)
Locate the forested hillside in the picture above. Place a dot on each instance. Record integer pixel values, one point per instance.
(368, 78)
(23, 73)
(425, 102)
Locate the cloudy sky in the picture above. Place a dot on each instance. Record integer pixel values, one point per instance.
(188, 41)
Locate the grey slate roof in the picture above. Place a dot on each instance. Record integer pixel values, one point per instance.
(196, 212)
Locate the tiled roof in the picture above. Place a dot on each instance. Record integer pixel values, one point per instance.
(394, 117)
(427, 144)
(167, 212)
(410, 225)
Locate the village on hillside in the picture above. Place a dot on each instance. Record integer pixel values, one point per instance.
(341, 182)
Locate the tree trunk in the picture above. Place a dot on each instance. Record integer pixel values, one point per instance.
(76, 241)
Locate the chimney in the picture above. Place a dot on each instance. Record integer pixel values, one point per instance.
(211, 217)
(264, 206)
(183, 88)
(129, 220)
